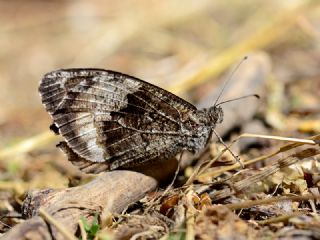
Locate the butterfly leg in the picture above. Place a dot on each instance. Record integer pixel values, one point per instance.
(174, 178)
(176, 173)
(225, 145)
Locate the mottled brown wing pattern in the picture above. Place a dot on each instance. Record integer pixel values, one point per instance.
(113, 118)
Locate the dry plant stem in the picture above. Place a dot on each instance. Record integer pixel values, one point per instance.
(190, 217)
(17, 187)
(82, 230)
(199, 170)
(28, 145)
(240, 185)
(302, 152)
(281, 218)
(218, 172)
(287, 139)
(313, 206)
(248, 162)
(251, 203)
(206, 167)
(48, 218)
(110, 191)
(190, 222)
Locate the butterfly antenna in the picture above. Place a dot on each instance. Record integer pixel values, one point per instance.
(234, 99)
(228, 80)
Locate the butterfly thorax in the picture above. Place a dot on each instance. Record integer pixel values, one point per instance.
(206, 119)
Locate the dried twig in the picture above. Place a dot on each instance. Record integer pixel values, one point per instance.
(281, 218)
(282, 149)
(252, 203)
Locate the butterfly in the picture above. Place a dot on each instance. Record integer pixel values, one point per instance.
(111, 120)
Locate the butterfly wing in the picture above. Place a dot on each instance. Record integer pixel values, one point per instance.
(112, 118)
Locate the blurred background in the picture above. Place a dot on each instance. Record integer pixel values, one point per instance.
(163, 42)
(185, 47)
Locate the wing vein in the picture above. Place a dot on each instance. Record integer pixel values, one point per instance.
(141, 99)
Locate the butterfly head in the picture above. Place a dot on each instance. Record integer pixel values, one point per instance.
(215, 115)
(212, 116)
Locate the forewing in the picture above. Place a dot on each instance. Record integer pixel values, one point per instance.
(114, 118)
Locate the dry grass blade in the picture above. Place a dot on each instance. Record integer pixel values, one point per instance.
(82, 230)
(287, 139)
(199, 170)
(55, 223)
(252, 203)
(17, 187)
(190, 217)
(28, 145)
(302, 152)
(282, 149)
(240, 185)
(281, 218)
